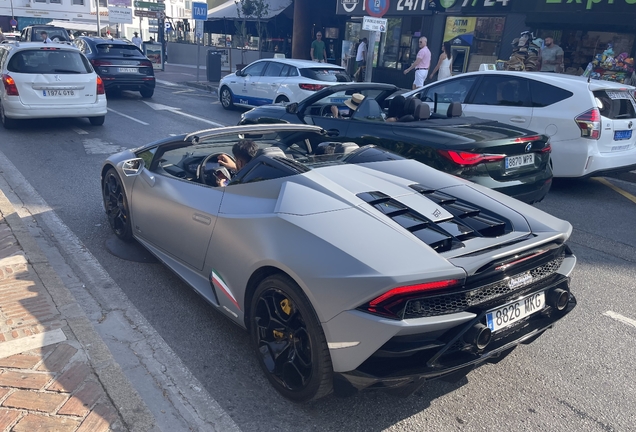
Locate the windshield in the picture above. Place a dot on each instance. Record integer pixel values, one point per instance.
(46, 61)
(119, 50)
(326, 74)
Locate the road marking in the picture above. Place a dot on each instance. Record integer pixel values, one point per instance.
(620, 318)
(97, 146)
(161, 107)
(167, 83)
(29, 343)
(615, 188)
(80, 131)
(183, 91)
(128, 117)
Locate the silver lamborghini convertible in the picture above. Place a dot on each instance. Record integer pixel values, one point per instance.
(351, 267)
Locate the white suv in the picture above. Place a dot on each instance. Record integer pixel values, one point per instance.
(590, 123)
(48, 80)
(278, 80)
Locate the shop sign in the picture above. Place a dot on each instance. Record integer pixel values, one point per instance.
(578, 5)
(473, 5)
(379, 8)
(119, 15)
(374, 24)
(460, 30)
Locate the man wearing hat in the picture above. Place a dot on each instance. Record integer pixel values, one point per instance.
(136, 40)
(353, 104)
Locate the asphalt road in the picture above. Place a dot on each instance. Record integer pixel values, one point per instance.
(577, 377)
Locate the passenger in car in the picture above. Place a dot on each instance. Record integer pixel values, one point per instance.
(353, 104)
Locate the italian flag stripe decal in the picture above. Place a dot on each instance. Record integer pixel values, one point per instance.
(220, 284)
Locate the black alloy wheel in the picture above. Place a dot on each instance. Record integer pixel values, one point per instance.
(282, 99)
(116, 205)
(289, 341)
(226, 98)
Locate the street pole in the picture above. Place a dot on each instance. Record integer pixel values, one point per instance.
(373, 36)
(99, 30)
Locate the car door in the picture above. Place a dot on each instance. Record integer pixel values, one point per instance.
(319, 114)
(174, 214)
(501, 97)
(246, 86)
(447, 91)
(269, 83)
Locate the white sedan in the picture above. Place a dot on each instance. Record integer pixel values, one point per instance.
(278, 80)
(51, 80)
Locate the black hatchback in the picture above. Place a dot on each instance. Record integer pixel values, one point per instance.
(120, 64)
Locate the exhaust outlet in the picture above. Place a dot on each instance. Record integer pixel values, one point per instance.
(558, 298)
(478, 335)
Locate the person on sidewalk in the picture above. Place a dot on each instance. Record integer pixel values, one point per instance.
(318, 50)
(421, 64)
(551, 56)
(443, 67)
(137, 40)
(361, 57)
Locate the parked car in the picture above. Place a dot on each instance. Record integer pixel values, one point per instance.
(120, 63)
(294, 251)
(11, 37)
(278, 80)
(32, 33)
(508, 159)
(589, 122)
(46, 81)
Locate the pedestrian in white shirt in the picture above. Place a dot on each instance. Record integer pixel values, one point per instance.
(136, 40)
(45, 37)
(361, 59)
(421, 64)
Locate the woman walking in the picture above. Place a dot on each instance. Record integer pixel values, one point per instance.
(443, 67)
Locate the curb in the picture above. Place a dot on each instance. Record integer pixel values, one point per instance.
(202, 86)
(132, 409)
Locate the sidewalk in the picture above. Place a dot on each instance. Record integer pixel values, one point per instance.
(177, 74)
(56, 374)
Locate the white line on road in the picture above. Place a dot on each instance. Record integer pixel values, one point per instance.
(620, 318)
(183, 91)
(128, 117)
(175, 110)
(166, 83)
(80, 131)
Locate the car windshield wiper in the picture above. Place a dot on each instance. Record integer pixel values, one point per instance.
(66, 71)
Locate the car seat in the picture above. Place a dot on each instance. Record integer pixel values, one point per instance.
(422, 112)
(346, 147)
(270, 152)
(369, 110)
(409, 110)
(454, 110)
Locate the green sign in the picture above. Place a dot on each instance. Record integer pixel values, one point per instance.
(150, 5)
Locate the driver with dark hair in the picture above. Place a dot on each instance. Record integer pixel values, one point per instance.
(243, 152)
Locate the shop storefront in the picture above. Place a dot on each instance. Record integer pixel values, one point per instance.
(475, 29)
(601, 30)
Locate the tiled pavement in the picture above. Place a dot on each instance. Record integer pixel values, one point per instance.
(49, 380)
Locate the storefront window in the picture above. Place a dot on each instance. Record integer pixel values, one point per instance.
(580, 47)
(396, 47)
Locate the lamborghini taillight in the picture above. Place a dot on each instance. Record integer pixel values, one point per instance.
(391, 303)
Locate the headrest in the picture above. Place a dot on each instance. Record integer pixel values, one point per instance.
(346, 147)
(409, 106)
(454, 109)
(270, 152)
(422, 112)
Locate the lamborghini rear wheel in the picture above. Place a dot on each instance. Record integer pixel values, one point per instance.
(289, 341)
(116, 205)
